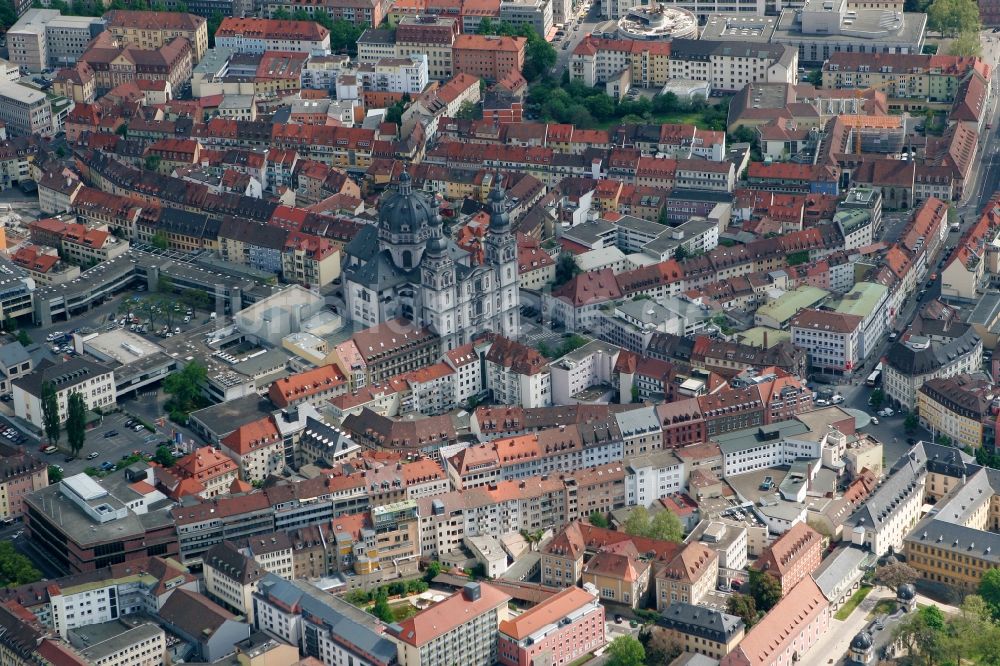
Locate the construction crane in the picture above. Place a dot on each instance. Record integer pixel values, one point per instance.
(858, 93)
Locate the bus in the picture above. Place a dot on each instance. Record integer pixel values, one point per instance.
(875, 376)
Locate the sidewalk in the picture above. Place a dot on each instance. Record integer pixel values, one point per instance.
(832, 646)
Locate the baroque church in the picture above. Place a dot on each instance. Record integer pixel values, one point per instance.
(409, 267)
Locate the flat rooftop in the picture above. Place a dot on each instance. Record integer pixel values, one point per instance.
(910, 32)
(121, 345)
(722, 27)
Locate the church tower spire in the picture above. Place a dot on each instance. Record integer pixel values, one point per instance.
(501, 255)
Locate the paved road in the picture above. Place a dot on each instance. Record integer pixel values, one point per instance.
(574, 35)
(987, 178)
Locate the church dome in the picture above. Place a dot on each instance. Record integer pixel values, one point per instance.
(862, 641)
(499, 220)
(906, 592)
(405, 211)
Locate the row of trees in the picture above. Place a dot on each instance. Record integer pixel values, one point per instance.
(958, 19)
(76, 417)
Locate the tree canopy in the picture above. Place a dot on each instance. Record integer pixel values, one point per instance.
(184, 388)
(742, 605)
(15, 568)
(663, 525)
(765, 590)
(953, 17)
(76, 422)
(626, 651)
(896, 573)
(50, 412)
(967, 44)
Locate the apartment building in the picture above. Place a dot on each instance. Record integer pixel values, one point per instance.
(257, 35)
(25, 111)
(205, 472)
(566, 626)
(400, 75)
(362, 13)
(20, 475)
(114, 64)
(379, 545)
(139, 645)
(700, 630)
(957, 407)
(793, 556)
(918, 359)
(433, 36)
(728, 66)
(152, 30)
(891, 511)
(832, 340)
(793, 626)
(688, 577)
(93, 381)
(464, 628)
(231, 578)
(538, 14)
(321, 625)
(653, 475)
(517, 374)
(310, 260)
(903, 76)
(597, 60)
(257, 447)
(488, 57)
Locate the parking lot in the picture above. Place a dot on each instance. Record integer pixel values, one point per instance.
(109, 449)
(749, 485)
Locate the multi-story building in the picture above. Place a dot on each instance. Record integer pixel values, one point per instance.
(15, 362)
(688, 577)
(257, 447)
(400, 75)
(517, 374)
(566, 626)
(832, 339)
(957, 407)
(488, 57)
(250, 243)
(728, 66)
(93, 381)
(902, 76)
(20, 474)
(43, 38)
(653, 475)
(323, 626)
(918, 359)
(207, 472)
(135, 646)
(464, 628)
(433, 36)
(81, 525)
(257, 35)
(25, 111)
(114, 64)
(538, 14)
(67, 38)
(793, 556)
(597, 60)
(231, 578)
(699, 629)
(891, 511)
(362, 13)
(152, 30)
(309, 260)
(794, 625)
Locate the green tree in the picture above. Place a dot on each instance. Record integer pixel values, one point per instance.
(152, 162)
(24, 338)
(637, 521)
(626, 651)
(281, 14)
(432, 570)
(486, 27)
(50, 412)
(394, 114)
(681, 253)
(989, 590)
(76, 422)
(895, 573)
(666, 526)
(815, 77)
(184, 389)
(15, 568)
(597, 519)
(877, 398)
(566, 268)
(765, 590)
(742, 605)
(160, 240)
(55, 476)
(967, 45)
(953, 17)
(164, 457)
(469, 111)
(343, 34)
(213, 23)
(911, 422)
(923, 633)
(381, 608)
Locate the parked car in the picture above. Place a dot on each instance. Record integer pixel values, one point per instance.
(49, 450)
(92, 455)
(110, 433)
(107, 466)
(875, 420)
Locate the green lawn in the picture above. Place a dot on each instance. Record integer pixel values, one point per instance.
(852, 603)
(403, 611)
(883, 607)
(583, 660)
